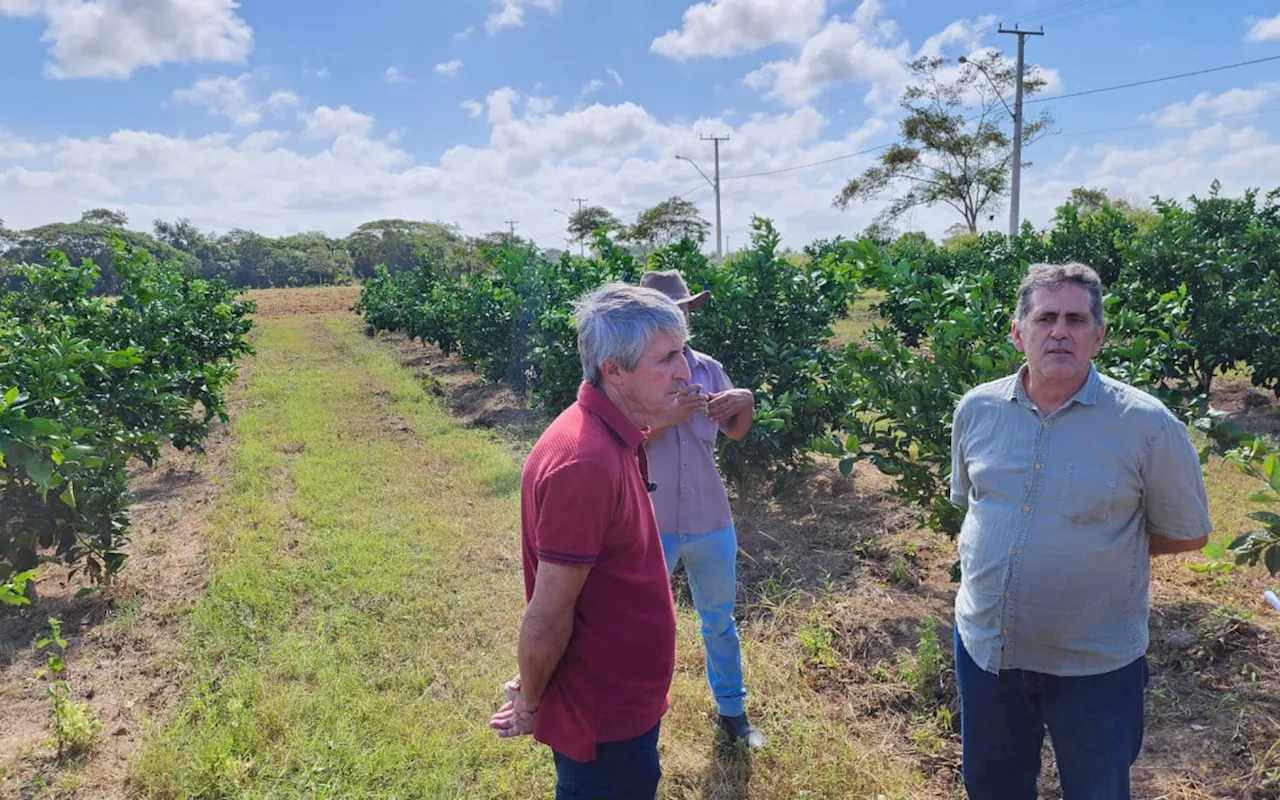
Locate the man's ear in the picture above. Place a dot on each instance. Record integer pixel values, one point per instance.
(1016, 335)
(611, 370)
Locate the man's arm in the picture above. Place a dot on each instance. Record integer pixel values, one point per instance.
(733, 410)
(546, 627)
(1174, 496)
(1164, 546)
(545, 631)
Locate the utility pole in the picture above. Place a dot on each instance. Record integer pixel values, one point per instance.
(719, 242)
(1015, 184)
(512, 223)
(582, 248)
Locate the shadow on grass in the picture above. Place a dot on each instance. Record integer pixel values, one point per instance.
(729, 772)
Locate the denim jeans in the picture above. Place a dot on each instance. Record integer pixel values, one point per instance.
(1095, 723)
(627, 770)
(710, 561)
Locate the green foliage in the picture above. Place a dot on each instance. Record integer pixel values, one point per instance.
(667, 223)
(87, 385)
(75, 727)
(903, 396)
(768, 324)
(1225, 254)
(1259, 459)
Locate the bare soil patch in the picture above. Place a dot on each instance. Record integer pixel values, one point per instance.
(122, 641)
(301, 302)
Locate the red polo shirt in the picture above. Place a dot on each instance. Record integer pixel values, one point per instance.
(584, 501)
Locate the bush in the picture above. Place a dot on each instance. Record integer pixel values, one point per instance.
(89, 384)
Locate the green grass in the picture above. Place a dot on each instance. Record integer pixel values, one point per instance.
(361, 620)
(854, 327)
(364, 605)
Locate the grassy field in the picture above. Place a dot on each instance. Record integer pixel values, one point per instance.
(330, 602)
(362, 612)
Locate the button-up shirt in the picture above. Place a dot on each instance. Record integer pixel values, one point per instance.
(1055, 567)
(691, 497)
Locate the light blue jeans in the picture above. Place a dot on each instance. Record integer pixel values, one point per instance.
(710, 561)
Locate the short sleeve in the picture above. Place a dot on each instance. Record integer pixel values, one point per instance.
(721, 379)
(575, 504)
(960, 483)
(1176, 503)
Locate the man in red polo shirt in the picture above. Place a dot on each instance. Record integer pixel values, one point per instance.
(597, 641)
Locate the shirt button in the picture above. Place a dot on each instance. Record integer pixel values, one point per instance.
(1008, 595)
(1013, 551)
(1026, 509)
(1039, 466)
(683, 441)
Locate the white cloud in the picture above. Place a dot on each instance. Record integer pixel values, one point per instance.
(965, 33)
(866, 48)
(731, 27)
(473, 108)
(616, 77)
(464, 35)
(856, 51)
(510, 13)
(14, 149)
(594, 85)
(537, 106)
(233, 98)
(114, 38)
(449, 68)
(260, 141)
(1265, 30)
(1206, 104)
(393, 75)
(329, 123)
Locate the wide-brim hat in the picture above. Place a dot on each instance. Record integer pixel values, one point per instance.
(672, 285)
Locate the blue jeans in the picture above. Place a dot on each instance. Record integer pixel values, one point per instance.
(1095, 723)
(627, 770)
(710, 561)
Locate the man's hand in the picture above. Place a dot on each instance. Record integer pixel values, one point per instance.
(726, 405)
(513, 719)
(691, 401)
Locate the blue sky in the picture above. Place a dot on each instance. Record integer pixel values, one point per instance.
(288, 116)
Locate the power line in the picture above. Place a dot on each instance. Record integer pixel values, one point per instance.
(807, 166)
(1059, 19)
(1150, 125)
(1152, 80)
(1068, 6)
(1030, 101)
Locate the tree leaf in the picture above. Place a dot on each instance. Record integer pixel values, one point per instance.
(1273, 559)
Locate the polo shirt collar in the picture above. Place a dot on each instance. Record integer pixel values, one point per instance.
(598, 403)
(1087, 395)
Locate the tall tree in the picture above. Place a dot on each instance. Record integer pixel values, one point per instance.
(949, 154)
(667, 223)
(589, 219)
(105, 216)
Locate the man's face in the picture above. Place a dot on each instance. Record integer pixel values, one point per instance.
(650, 390)
(1059, 335)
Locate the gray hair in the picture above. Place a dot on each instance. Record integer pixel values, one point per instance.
(1051, 276)
(619, 321)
